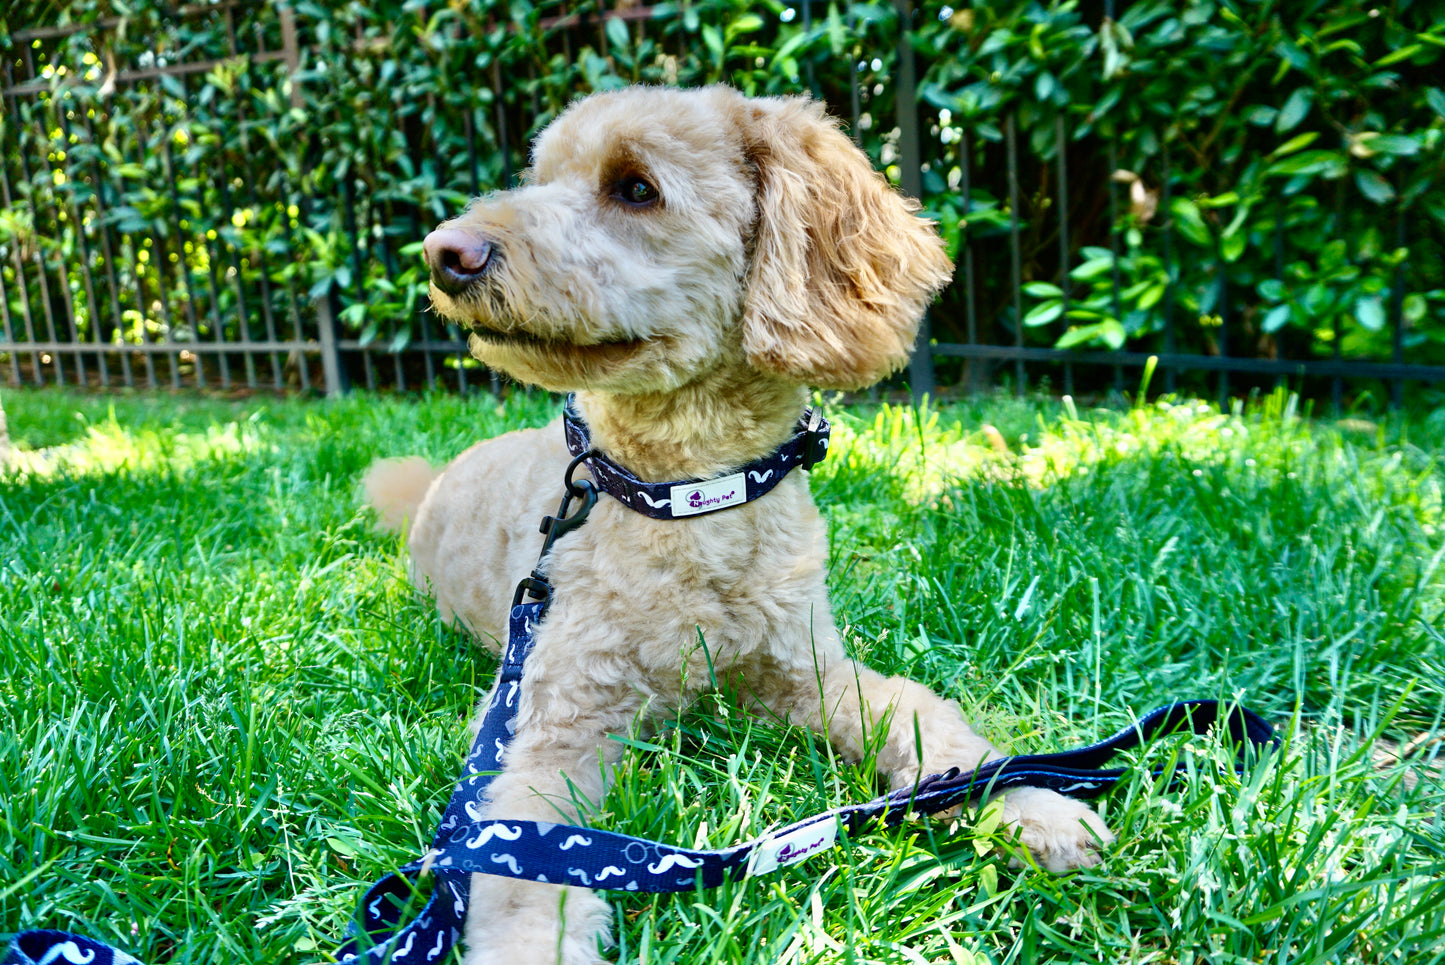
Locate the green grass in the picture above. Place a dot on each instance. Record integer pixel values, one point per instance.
(225, 711)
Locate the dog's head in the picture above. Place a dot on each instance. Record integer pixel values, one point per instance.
(663, 234)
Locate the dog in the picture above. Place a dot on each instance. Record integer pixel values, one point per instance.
(688, 263)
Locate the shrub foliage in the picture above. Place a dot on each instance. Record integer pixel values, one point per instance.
(1266, 176)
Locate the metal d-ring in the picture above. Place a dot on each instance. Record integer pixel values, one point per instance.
(575, 488)
(555, 527)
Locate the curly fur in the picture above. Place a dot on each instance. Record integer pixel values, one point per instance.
(773, 258)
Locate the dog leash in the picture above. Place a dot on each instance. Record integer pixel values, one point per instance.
(585, 857)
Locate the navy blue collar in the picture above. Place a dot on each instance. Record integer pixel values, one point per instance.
(693, 497)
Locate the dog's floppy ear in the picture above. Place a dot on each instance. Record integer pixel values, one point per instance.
(841, 267)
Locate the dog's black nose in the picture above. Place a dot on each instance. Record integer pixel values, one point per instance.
(456, 258)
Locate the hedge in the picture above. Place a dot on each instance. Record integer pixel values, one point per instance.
(1279, 162)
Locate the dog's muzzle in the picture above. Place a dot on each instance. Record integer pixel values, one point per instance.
(457, 258)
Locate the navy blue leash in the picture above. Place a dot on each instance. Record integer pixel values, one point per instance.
(565, 854)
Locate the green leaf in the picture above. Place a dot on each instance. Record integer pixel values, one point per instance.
(1374, 186)
(1232, 245)
(1403, 53)
(1109, 331)
(1276, 318)
(1370, 312)
(1435, 97)
(1044, 85)
(1295, 109)
(1296, 143)
(344, 846)
(1043, 289)
(1190, 223)
(1043, 314)
(1330, 163)
(617, 34)
(1152, 295)
(1395, 144)
(1273, 290)
(1092, 269)
(712, 38)
(747, 23)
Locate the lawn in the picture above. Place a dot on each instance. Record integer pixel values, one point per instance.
(225, 710)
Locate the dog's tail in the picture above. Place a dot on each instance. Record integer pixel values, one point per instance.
(396, 487)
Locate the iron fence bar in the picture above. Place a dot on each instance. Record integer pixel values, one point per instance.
(1345, 368)
(1166, 198)
(183, 264)
(1015, 256)
(162, 257)
(128, 244)
(258, 254)
(1111, 159)
(975, 382)
(233, 260)
(1062, 180)
(504, 149)
(27, 178)
(291, 193)
(1337, 387)
(64, 207)
(232, 256)
(854, 95)
(348, 223)
(77, 215)
(7, 328)
(333, 372)
(1221, 305)
(214, 287)
(108, 246)
(910, 171)
(1397, 307)
(1279, 251)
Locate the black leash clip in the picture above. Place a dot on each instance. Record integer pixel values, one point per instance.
(555, 527)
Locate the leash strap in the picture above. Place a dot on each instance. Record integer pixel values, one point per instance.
(590, 858)
(378, 935)
(693, 497)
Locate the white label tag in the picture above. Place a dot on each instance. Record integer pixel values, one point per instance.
(704, 497)
(790, 848)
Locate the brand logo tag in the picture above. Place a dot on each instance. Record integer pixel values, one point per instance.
(704, 497)
(790, 848)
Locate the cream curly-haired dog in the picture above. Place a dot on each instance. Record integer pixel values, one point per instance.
(688, 263)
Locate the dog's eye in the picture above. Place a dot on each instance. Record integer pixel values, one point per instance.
(637, 191)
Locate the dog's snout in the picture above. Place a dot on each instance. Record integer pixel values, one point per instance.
(456, 258)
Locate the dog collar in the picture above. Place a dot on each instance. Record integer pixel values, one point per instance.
(694, 497)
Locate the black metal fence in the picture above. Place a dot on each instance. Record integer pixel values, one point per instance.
(142, 246)
(1327, 375)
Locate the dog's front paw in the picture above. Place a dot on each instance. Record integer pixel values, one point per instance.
(1059, 832)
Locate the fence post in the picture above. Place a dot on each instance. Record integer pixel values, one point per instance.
(292, 51)
(335, 376)
(910, 178)
(332, 372)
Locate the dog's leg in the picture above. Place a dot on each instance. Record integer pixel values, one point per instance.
(911, 732)
(561, 752)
